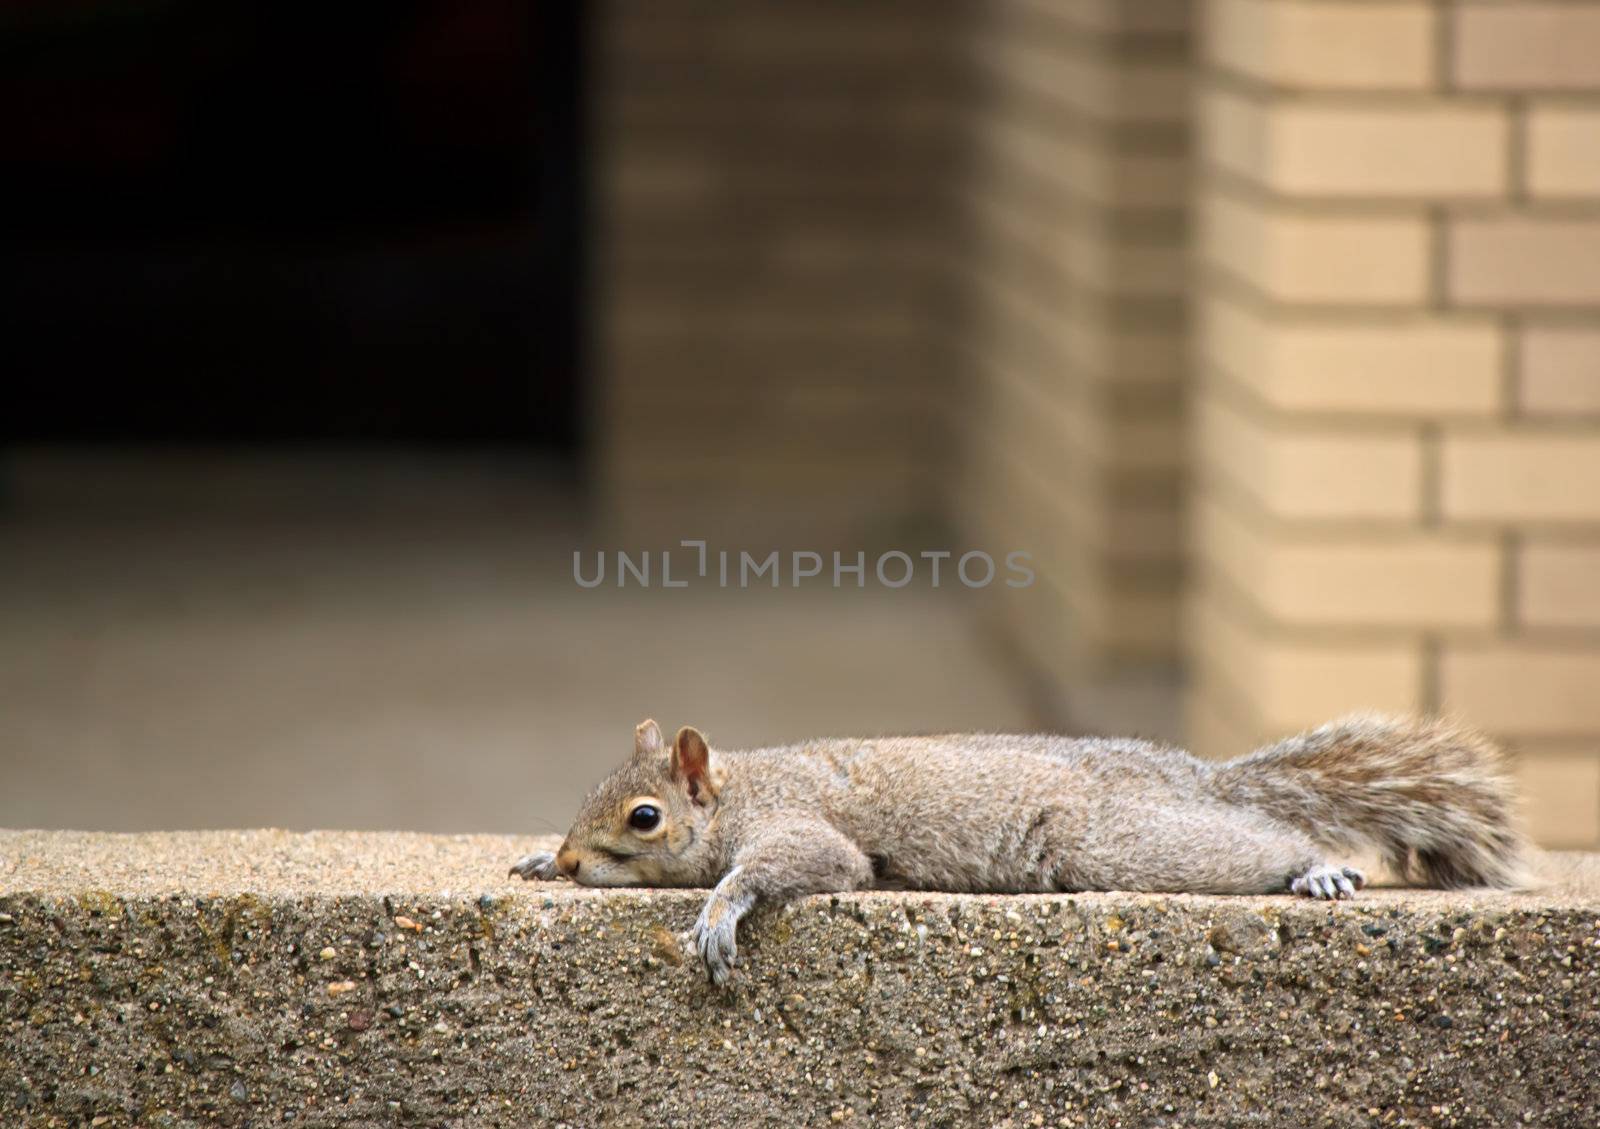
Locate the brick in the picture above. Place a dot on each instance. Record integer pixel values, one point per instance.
(1045, 633)
(1312, 472)
(1126, 625)
(1527, 476)
(1324, 45)
(1296, 256)
(1098, 261)
(1087, 618)
(1095, 85)
(1523, 689)
(1435, 150)
(1208, 729)
(1120, 179)
(1233, 132)
(1023, 154)
(1416, 365)
(1116, 15)
(1420, 580)
(1130, 355)
(1078, 340)
(1527, 46)
(1525, 261)
(1298, 148)
(1124, 531)
(1079, 250)
(1080, 516)
(1560, 370)
(1558, 585)
(1564, 150)
(1159, 444)
(1560, 790)
(1062, 426)
(1293, 684)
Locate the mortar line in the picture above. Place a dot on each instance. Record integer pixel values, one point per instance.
(1517, 149)
(1432, 697)
(1438, 257)
(1444, 44)
(1511, 366)
(1430, 476)
(1510, 580)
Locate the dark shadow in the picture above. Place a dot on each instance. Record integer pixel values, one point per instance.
(293, 223)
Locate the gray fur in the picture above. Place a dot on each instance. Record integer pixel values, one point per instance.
(1026, 814)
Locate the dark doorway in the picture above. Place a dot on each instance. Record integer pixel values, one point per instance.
(292, 223)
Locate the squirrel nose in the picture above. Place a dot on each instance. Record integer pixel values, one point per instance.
(567, 862)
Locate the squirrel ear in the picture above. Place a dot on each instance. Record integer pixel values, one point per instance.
(647, 740)
(691, 764)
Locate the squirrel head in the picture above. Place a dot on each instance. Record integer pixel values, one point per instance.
(646, 824)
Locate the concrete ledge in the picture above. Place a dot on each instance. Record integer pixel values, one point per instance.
(256, 978)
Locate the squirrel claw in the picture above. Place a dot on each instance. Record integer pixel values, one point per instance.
(1327, 883)
(713, 940)
(540, 864)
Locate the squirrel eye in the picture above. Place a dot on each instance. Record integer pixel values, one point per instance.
(644, 817)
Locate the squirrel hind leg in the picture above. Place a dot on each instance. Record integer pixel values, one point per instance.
(1327, 883)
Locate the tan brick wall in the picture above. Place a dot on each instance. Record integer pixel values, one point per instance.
(1300, 298)
(1078, 266)
(774, 210)
(1397, 427)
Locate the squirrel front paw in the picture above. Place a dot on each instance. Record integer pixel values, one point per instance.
(540, 864)
(1329, 882)
(713, 939)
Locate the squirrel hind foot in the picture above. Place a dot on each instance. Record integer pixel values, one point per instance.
(1327, 883)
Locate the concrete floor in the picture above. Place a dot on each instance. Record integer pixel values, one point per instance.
(439, 672)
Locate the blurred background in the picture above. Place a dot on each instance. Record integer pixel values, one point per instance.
(1269, 328)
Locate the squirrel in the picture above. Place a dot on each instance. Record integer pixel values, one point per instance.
(999, 814)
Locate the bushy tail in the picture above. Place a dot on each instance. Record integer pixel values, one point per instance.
(1429, 794)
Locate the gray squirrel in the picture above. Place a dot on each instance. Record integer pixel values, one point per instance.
(985, 813)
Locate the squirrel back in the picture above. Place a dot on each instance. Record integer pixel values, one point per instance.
(1023, 813)
(1429, 794)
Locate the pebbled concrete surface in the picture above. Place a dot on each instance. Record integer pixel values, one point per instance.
(343, 979)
